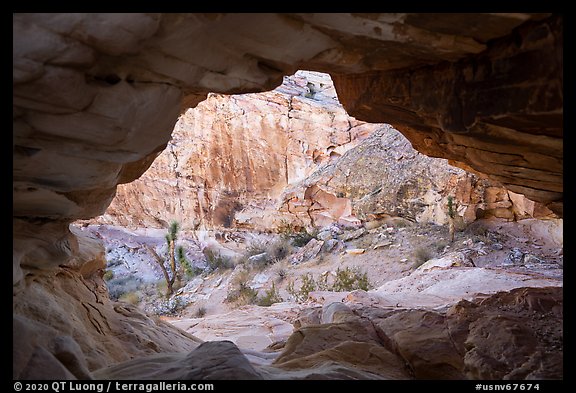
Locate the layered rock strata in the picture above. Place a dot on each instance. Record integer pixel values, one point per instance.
(293, 156)
(96, 97)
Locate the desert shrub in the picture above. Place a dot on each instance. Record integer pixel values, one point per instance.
(282, 274)
(307, 285)
(439, 246)
(297, 236)
(242, 295)
(118, 286)
(200, 312)
(300, 239)
(240, 292)
(270, 252)
(217, 261)
(349, 279)
(421, 255)
(130, 297)
(278, 249)
(108, 275)
(172, 306)
(256, 246)
(270, 297)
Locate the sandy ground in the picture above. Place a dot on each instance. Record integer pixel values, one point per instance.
(408, 266)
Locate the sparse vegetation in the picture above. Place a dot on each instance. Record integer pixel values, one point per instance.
(307, 285)
(184, 262)
(200, 312)
(241, 293)
(300, 239)
(347, 279)
(297, 236)
(282, 274)
(270, 297)
(439, 246)
(421, 255)
(108, 275)
(119, 286)
(269, 252)
(451, 217)
(217, 261)
(171, 306)
(173, 272)
(130, 297)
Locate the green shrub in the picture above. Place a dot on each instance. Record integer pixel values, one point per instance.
(350, 279)
(308, 285)
(217, 261)
(130, 297)
(241, 293)
(300, 239)
(297, 236)
(270, 297)
(347, 279)
(185, 263)
(108, 275)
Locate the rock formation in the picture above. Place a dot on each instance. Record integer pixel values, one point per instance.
(231, 157)
(65, 324)
(96, 97)
(384, 178)
(293, 156)
(93, 106)
(503, 336)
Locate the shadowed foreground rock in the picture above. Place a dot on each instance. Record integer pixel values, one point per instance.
(211, 360)
(509, 335)
(65, 324)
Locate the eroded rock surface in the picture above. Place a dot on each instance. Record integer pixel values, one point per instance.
(65, 324)
(294, 157)
(96, 97)
(507, 335)
(231, 157)
(94, 106)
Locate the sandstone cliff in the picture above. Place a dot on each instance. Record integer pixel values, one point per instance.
(293, 156)
(231, 157)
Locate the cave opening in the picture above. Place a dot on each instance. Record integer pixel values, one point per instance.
(280, 233)
(286, 227)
